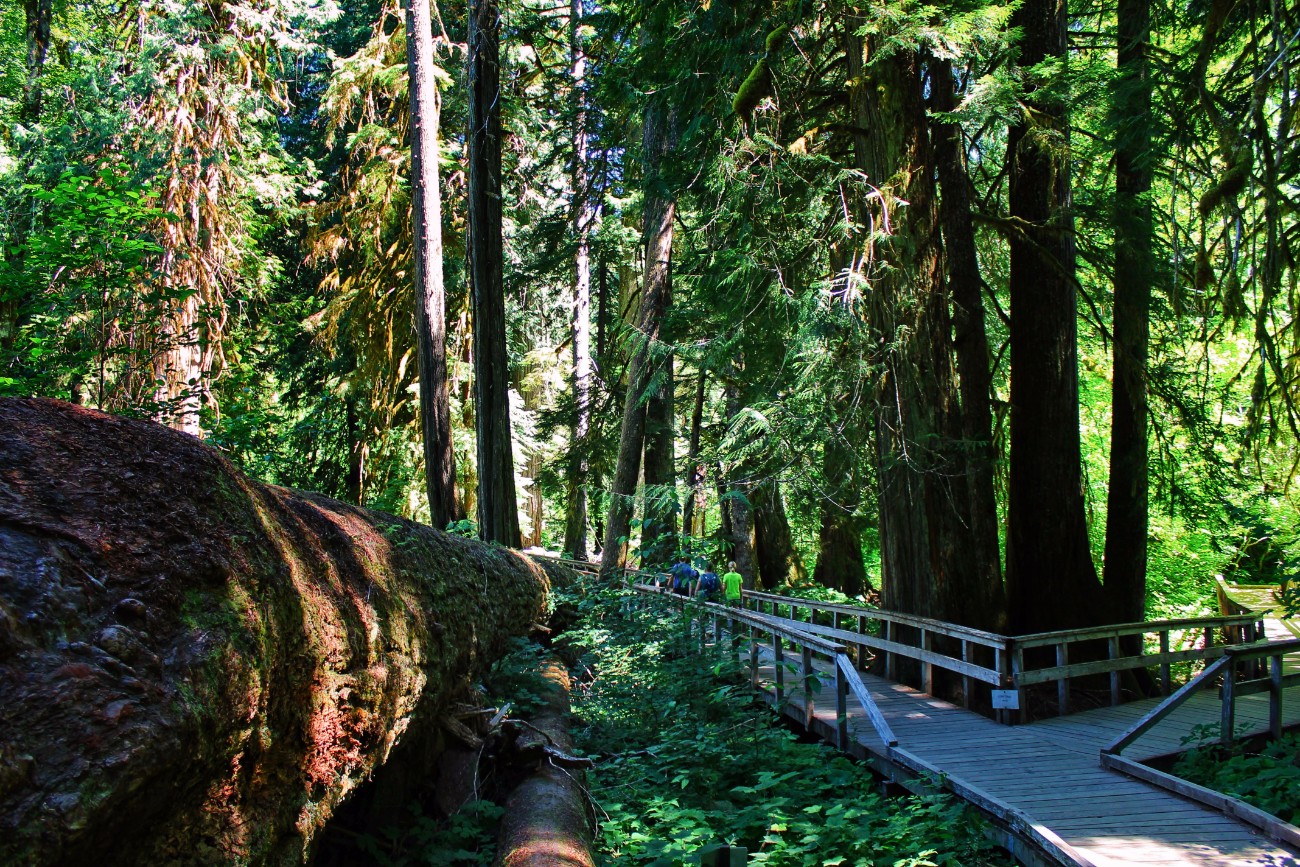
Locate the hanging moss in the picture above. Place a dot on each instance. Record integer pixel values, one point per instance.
(754, 89)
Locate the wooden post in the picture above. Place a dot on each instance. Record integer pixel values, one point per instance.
(889, 656)
(1062, 682)
(717, 631)
(1209, 637)
(862, 648)
(1165, 677)
(778, 657)
(1000, 663)
(807, 687)
(1112, 652)
(965, 678)
(927, 670)
(1228, 710)
(1275, 696)
(1018, 668)
(753, 659)
(841, 707)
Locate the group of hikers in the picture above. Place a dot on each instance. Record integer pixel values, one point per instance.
(705, 583)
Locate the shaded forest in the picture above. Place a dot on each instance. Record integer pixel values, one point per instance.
(983, 311)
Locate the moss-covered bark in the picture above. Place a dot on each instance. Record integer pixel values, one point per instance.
(196, 668)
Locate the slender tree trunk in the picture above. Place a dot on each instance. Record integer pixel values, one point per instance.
(179, 368)
(430, 296)
(987, 601)
(1126, 507)
(1051, 580)
(602, 315)
(39, 14)
(584, 216)
(497, 505)
(694, 506)
(839, 544)
(778, 562)
(924, 512)
(659, 210)
(724, 513)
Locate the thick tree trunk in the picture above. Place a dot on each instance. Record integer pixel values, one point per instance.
(182, 366)
(740, 517)
(839, 545)
(196, 668)
(924, 512)
(778, 561)
(694, 507)
(1051, 580)
(988, 602)
(659, 210)
(498, 510)
(659, 533)
(430, 297)
(1126, 506)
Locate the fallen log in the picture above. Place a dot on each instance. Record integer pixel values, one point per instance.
(196, 668)
(547, 822)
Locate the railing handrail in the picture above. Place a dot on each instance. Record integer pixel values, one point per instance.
(1168, 706)
(863, 695)
(1119, 630)
(1262, 650)
(939, 627)
(764, 622)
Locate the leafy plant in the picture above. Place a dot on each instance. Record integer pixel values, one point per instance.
(1268, 779)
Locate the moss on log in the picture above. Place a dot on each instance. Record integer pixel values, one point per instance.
(196, 668)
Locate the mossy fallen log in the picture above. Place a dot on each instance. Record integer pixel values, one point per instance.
(196, 668)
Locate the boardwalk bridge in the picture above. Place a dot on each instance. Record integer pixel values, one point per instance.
(1063, 771)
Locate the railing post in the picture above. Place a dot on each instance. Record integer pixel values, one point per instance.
(927, 669)
(890, 666)
(1017, 669)
(717, 631)
(778, 663)
(965, 678)
(1165, 677)
(862, 648)
(753, 657)
(1228, 710)
(1001, 663)
(1062, 682)
(1112, 652)
(807, 687)
(841, 706)
(1275, 696)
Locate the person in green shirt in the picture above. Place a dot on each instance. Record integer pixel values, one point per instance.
(731, 584)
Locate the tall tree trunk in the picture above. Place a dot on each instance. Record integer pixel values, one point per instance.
(497, 505)
(1126, 506)
(39, 14)
(584, 216)
(740, 516)
(430, 297)
(839, 543)
(694, 507)
(659, 532)
(1051, 580)
(778, 562)
(659, 209)
(179, 367)
(924, 522)
(987, 601)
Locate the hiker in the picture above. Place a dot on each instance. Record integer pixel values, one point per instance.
(683, 576)
(731, 584)
(710, 586)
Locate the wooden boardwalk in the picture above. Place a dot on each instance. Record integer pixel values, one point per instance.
(1048, 775)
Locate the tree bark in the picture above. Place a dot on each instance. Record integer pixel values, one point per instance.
(498, 513)
(1051, 580)
(1126, 505)
(970, 341)
(430, 296)
(694, 507)
(740, 518)
(660, 207)
(39, 15)
(659, 532)
(839, 543)
(778, 561)
(924, 512)
(201, 668)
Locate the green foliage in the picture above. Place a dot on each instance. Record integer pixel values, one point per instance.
(1268, 779)
(464, 839)
(691, 759)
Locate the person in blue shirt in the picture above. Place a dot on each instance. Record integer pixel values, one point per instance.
(683, 576)
(710, 585)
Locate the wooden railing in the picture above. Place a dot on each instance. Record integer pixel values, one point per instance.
(1234, 661)
(1009, 663)
(807, 644)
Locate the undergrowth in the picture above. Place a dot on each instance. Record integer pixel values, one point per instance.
(1268, 779)
(687, 758)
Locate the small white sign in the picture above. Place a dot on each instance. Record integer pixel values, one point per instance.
(1006, 699)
